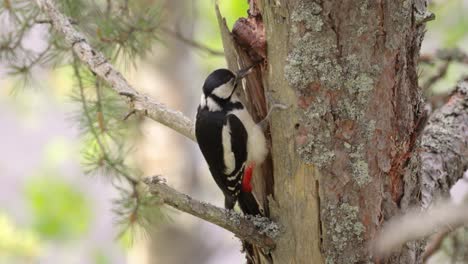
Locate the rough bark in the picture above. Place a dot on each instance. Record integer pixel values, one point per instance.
(440, 159)
(256, 230)
(348, 69)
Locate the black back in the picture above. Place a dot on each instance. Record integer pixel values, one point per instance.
(208, 130)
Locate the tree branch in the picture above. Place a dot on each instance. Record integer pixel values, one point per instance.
(416, 225)
(444, 145)
(190, 42)
(441, 72)
(441, 219)
(447, 56)
(101, 67)
(439, 160)
(455, 55)
(256, 230)
(435, 244)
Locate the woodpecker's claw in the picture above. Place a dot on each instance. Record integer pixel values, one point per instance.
(131, 96)
(129, 114)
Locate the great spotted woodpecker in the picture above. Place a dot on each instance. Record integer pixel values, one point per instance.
(231, 142)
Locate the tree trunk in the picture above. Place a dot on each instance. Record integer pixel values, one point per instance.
(347, 71)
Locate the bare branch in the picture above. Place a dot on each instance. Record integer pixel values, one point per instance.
(256, 230)
(441, 219)
(439, 159)
(417, 225)
(101, 67)
(445, 147)
(455, 55)
(448, 56)
(441, 72)
(435, 244)
(191, 42)
(438, 162)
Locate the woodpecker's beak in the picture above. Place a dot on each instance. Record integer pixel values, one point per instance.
(242, 73)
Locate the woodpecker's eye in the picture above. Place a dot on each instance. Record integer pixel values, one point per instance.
(216, 79)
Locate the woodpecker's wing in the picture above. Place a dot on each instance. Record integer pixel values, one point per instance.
(234, 140)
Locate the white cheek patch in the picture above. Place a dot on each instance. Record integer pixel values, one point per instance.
(212, 105)
(229, 159)
(234, 98)
(223, 91)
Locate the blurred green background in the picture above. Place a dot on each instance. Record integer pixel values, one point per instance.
(50, 212)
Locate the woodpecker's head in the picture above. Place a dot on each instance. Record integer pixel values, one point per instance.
(220, 86)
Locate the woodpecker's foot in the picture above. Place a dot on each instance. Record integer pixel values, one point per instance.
(264, 122)
(129, 114)
(131, 97)
(246, 181)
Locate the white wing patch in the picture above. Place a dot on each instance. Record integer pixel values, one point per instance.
(229, 159)
(256, 142)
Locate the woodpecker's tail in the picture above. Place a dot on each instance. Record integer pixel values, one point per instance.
(248, 203)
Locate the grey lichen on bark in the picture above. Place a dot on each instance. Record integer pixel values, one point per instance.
(351, 73)
(295, 203)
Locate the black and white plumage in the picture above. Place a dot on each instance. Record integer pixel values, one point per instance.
(229, 138)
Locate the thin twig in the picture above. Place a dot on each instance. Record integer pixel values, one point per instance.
(455, 55)
(39, 56)
(99, 113)
(448, 56)
(435, 244)
(128, 115)
(108, 7)
(191, 42)
(441, 72)
(417, 225)
(48, 21)
(100, 143)
(256, 230)
(100, 65)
